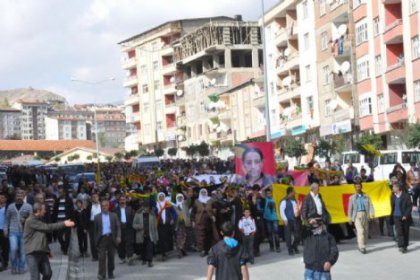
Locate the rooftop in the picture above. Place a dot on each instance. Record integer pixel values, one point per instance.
(44, 145)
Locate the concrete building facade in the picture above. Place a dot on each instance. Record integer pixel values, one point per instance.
(10, 123)
(69, 124)
(32, 120)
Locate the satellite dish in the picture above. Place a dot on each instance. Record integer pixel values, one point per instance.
(180, 93)
(345, 67)
(213, 81)
(342, 29)
(287, 81)
(172, 80)
(333, 104)
(287, 52)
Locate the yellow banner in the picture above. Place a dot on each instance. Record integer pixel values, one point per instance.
(336, 198)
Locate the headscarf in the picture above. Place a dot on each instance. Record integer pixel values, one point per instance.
(180, 204)
(161, 207)
(203, 198)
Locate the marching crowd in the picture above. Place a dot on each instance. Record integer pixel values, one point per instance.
(145, 214)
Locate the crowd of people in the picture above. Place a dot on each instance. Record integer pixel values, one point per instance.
(144, 214)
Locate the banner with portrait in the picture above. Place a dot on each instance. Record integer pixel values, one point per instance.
(255, 164)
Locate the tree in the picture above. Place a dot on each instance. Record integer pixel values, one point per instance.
(108, 158)
(57, 159)
(89, 157)
(159, 152)
(118, 156)
(203, 149)
(191, 150)
(413, 136)
(294, 148)
(327, 148)
(368, 145)
(76, 156)
(172, 151)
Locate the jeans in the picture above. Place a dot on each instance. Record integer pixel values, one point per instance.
(39, 263)
(273, 233)
(17, 251)
(248, 244)
(316, 275)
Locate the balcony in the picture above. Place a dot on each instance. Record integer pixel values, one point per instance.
(169, 69)
(169, 89)
(129, 63)
(343, 114)
(395, 74)
(286, 94)
(346, 49)
(397, 113)
(130, 81)
(391, 1)
(393, 32)
(131, 100)
(225, 114)
(336, 4)
(292, 31)
(294, 122)
(167, 50)
(181, 121)
(292, 61)
(170, 108)
(137, 116)
(343, 83)
(281, 37)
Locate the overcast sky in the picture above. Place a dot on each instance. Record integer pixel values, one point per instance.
(43, 43)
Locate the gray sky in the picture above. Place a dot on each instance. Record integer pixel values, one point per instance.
(43, 43)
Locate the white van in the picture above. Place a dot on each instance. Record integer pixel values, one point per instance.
(383, 165)
(146, 162)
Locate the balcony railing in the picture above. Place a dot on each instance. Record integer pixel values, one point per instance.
(342, 80)
(392, 25)
(396, 108)
(396, 65)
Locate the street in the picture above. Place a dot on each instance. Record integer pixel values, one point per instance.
(383, 261)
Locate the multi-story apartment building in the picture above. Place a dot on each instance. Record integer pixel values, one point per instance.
(214, 58)
(388, 63)
(292, 69)
(335, 55)
(148, 59)
(33, 118)
(10, 123)
(111, 126)
(69, 124)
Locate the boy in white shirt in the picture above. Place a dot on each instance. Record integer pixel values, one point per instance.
(248, 230)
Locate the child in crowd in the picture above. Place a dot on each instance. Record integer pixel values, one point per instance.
(248, 229)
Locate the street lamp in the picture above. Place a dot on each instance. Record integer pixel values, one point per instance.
(94, 115)
(265, 55)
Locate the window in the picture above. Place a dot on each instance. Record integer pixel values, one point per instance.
(155, 66)
(413, 6)
(145, 88)
(365, 106)
(146, 108)
(159, 125)
(154, 46)
(376, 26)
(417, 90)
(389, 158)
(306, 41)
(324, 41)
(362, 68)
(381, 104)
(415, 46)
(322, 7)
(361, 32)
(143, 71)
(326, 74)
(156, 85)
(378, 65)
(308, 73)
(147, 129)
(310, 104)
(158, 105)
(327, 106)
(305, 9)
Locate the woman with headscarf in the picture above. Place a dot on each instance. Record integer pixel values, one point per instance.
(203, 218)
(166, 218)
(183, 223)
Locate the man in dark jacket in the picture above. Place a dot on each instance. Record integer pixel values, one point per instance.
(227, 257)
(36, 243)
(63, 210)
(320, 252)
(401, 206)
(314, 207)
(125, 214)
(107, 233)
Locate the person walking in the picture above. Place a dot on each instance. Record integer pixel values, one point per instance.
(183, 224)
(248, 229)
(36, 242)
(107, 237)
(125, 214)
(16, 215)
(63, 210)
(271, 221)
(291, 221)
(144, 223)
(4, 241)
(314, 208)
(360, 211)
(93, 210)
(401, 207)
(320, 252)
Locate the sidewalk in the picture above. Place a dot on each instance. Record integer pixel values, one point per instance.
(58, 262)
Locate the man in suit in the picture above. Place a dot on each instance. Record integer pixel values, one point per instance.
(401, 206)
(126, 214)
(360, 212)
(313, 207)
(107, 231)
